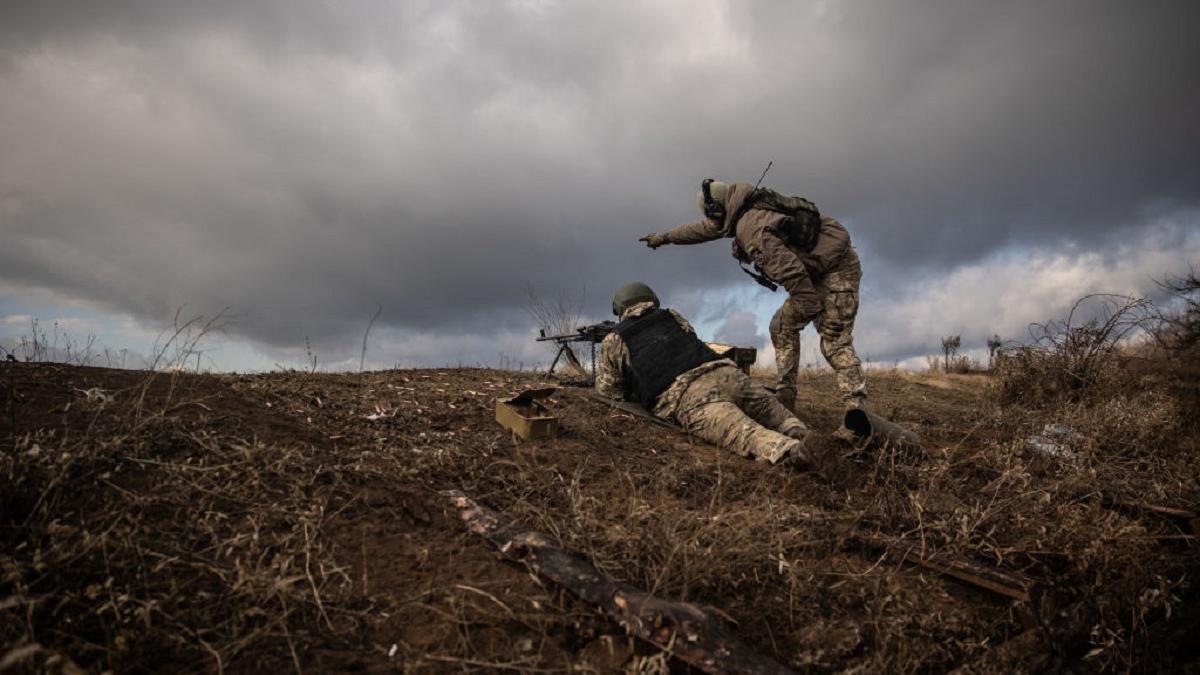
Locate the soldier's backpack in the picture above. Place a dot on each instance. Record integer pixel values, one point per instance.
(802, 223)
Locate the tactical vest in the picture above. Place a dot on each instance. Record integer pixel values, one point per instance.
(801, 224)
(660, 350)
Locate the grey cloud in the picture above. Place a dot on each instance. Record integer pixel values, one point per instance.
(305, 161)
(1007, 295)
(740, 328)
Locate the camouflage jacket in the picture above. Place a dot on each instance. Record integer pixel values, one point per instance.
(757, 240)
(614, 362)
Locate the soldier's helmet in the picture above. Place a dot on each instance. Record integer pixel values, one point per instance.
(631, 294)
(718, 190)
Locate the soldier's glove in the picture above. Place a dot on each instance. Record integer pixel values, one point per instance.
(655, 239)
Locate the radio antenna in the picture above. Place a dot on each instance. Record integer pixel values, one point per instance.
(764, 174)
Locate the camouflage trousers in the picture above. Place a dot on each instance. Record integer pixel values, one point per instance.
(838, 292)
(728, 409)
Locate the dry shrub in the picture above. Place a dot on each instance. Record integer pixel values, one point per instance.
(1076, 357)
(962, 363)
(1180, 330)
(1101, 373)
(1139, 423)
(957, 363)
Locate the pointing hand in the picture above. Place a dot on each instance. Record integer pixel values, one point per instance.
(654, 239)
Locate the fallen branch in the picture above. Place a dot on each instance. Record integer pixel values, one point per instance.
(693, 634)
(1010, 584)
(1181, 516)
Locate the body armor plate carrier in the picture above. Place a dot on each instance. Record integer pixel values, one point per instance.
(660, 350)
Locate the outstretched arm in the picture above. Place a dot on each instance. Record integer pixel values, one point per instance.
(706, 229)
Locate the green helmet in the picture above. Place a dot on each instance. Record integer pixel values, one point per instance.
(631, 294)
(717, 190)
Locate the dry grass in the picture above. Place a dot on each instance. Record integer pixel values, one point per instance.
(223, 556)
(288, 522)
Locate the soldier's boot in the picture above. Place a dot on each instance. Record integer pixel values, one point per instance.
(787, 454)
(790, 454)
(795, 429)
(786, 395)
(853, 402)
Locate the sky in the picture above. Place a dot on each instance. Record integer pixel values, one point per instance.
(298, 165)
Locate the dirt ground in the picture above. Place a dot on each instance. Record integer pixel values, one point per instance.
(295, 521)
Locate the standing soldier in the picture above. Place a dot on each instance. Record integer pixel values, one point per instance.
(789, 244)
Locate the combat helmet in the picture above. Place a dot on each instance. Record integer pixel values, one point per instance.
(711, 198)
(631, 294)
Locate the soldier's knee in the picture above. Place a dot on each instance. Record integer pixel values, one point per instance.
(843, 354)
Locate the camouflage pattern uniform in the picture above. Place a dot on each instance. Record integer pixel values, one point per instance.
(838, 292)
(715, 401)
(821, 282)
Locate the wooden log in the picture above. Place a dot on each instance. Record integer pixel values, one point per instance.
(689, 632)
(1009, 584)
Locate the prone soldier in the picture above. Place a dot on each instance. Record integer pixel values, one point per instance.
(653, 357)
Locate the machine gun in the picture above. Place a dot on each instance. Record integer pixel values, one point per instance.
(592, 334)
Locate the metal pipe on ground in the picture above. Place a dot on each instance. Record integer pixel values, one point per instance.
(879, 432)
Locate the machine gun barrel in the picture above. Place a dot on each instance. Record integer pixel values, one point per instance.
(593, 334)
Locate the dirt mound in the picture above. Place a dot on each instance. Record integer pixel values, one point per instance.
(293, 521)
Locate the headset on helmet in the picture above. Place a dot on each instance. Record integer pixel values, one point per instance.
(712, 208)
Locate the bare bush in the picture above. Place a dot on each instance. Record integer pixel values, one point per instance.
(1180, 330)
(57, 346)
(559, 314)
(180, 344)
(78, 351)
(1071, 357)
(961, 363)
(35, 347)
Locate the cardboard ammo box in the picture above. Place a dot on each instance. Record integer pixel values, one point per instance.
(527, 416)
(744, 357)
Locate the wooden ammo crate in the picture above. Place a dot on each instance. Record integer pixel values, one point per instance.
(526, 416)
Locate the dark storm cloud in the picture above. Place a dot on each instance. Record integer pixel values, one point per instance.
(305, 161)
